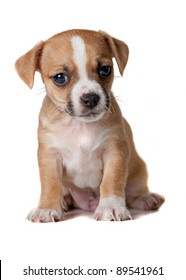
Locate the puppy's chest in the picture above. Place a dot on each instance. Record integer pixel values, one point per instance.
(81, 149)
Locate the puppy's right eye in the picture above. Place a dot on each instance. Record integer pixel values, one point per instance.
(60, 79)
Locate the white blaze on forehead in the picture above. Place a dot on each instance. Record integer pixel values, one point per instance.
(80, 56)
(84, 85)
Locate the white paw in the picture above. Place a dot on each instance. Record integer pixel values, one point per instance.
(112, 209)
(41, 215)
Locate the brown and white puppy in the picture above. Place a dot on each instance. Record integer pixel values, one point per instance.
(86, 154)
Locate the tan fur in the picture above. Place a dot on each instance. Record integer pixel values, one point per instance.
(122, 172)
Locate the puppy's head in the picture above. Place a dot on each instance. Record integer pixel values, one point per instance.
(77, 70)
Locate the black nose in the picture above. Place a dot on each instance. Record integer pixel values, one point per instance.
(90, 100)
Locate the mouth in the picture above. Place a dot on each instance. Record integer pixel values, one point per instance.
(88, 116)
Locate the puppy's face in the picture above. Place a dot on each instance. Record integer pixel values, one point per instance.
(77, 69)
(78, 72)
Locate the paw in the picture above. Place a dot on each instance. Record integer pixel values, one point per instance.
(149, 201)
(112, 209)
(41, 215)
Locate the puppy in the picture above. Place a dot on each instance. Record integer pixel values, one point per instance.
(86, 155)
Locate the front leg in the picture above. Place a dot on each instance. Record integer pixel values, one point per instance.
(51, 202)
(112, 206)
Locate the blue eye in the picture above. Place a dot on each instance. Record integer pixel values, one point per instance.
(60, 79)
(105, 71)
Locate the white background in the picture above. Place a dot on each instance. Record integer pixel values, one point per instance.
(152, 98)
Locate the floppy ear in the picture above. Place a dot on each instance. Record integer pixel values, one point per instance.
(27, 64)
(118, 49)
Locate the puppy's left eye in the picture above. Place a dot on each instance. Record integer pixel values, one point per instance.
(105, 71)
(60, 79)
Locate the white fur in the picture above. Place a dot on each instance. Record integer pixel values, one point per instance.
(79, 147)
(112, 209)
(45, 215)
(84, 84)
(81, 156)
(80, 56)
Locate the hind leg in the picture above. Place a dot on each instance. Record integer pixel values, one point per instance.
(138, 195)
(147, 201)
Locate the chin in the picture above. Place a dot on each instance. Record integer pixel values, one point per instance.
(89, 118)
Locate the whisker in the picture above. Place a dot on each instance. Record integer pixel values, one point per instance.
(119, 98)
(112, 110)
(40, 91)
(41, 88)
(70, 112)
(117, 77)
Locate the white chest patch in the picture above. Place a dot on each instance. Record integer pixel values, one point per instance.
(82, 157)
(80, 146)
